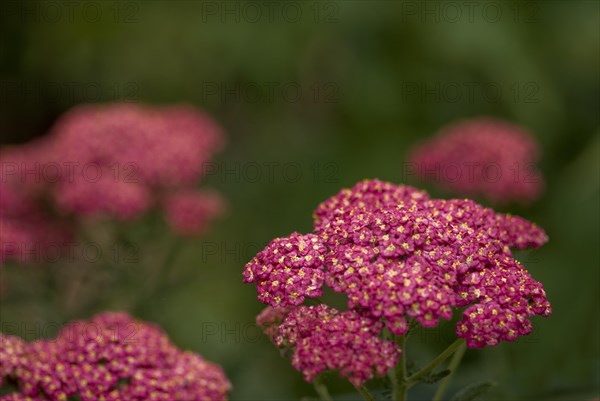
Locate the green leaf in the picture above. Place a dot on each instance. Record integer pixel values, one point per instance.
(435, 377)
(472, 391)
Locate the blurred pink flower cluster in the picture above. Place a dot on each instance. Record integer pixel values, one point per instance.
(398, 255)
(111, 357)
(116, 161)
(482, 157)
(24, 217)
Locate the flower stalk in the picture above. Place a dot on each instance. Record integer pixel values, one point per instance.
(321, 390)
(454, 362)
(427, 369)
(365, 393)
(400, 383)
(161, 275)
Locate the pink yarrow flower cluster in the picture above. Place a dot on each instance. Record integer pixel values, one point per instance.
(12, 356)
(482, 157)
(110, 357)
(138, 151)
(116, 161)
(398, 255)
(322, 339)
(288, 270)
(25, 223)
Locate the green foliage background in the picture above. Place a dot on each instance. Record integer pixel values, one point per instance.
(362, 60)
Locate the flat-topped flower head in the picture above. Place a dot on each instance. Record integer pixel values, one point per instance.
(197, 379)
(482, 157)
(406, 260)
(114, 357)
(324, 339)
(505, 297)
(288, 270)
(111, 161)
(368, 194)
(407, 256)
(165, 146)
(124, 153)
(12, 356)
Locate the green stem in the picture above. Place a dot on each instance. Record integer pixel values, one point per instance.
(321, 390)
(415, 378)
(400, 382)
(365, 393)
(74, 299)
(161, 276)
(79, 299)
(165, 268)
(454, 362)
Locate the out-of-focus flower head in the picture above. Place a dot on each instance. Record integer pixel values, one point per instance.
(399, 255)
(102, 196)
(26, 226)
(190, 212)
(114, 357)
(116, 161)
(322, 339)
(124, 153)
(166, 145)
(482, 157)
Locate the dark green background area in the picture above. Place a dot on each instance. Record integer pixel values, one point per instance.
(366, 71)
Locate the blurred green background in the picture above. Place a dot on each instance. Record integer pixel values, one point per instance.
(315, 96)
